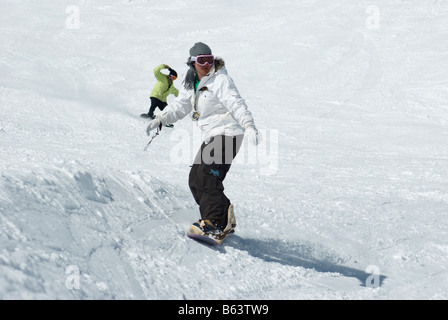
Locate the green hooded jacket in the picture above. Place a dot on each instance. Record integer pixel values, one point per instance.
(162, 89)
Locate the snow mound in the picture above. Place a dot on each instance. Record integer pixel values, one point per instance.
(56, 217)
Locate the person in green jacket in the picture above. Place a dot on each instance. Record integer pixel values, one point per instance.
(163, 88)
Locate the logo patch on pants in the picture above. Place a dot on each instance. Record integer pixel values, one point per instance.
(214, 173)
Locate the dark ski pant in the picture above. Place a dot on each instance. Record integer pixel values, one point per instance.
(207, 174)
(156, 103)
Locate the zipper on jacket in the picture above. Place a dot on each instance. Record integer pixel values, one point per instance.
(195, 107)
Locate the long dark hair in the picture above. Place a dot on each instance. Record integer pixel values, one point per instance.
(190, 77)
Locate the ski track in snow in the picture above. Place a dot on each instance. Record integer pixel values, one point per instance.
(360, 179)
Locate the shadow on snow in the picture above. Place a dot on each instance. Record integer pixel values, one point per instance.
(299, 255)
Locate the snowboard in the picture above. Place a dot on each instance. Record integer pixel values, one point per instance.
(207, 239)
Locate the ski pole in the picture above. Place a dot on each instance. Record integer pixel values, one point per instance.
(154, 135)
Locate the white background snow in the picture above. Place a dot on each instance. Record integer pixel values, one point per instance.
(352, 98)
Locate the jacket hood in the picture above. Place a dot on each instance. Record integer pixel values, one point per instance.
(219, 64)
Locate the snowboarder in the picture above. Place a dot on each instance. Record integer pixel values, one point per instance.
(211, 98)
(163, 88)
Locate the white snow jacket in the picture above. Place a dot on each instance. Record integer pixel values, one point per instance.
(222, 110)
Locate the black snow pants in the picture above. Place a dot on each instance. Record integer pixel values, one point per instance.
(207, 174)
(156, 103)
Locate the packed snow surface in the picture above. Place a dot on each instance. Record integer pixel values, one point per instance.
(346, 198)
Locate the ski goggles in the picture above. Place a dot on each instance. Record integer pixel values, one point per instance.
(204, 59)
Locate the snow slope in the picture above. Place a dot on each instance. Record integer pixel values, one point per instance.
(346, 199)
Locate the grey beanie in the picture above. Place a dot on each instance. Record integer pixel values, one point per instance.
(200, 48)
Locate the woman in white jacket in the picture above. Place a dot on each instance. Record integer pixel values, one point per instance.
(211, 99)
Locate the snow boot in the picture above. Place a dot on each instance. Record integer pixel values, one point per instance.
(231, 221)
(147, 115)
(212, 227)
(206, 227)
